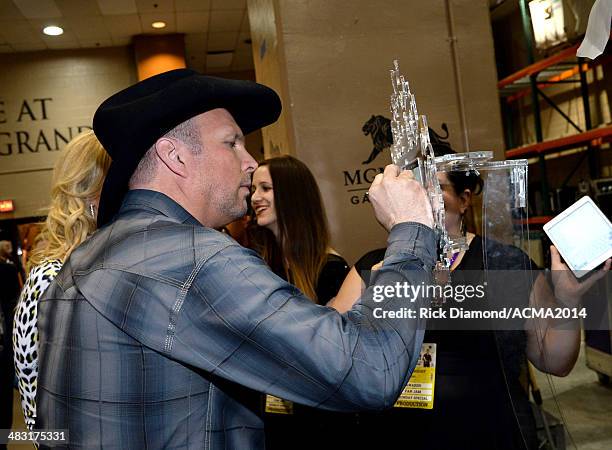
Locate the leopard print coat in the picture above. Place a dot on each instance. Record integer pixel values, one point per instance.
(25, 335)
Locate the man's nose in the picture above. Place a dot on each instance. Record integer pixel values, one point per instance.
(249, 164)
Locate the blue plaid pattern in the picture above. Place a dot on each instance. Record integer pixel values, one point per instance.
(160, 333)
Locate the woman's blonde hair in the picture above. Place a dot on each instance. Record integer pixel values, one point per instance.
(77, 181)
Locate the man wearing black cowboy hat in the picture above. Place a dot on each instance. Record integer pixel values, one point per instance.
(159, 330)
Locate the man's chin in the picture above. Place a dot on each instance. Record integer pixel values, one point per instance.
(241, 211)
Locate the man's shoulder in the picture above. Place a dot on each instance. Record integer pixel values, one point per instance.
(124, 255)
(149, 243)
(186, 234)
(156, 227)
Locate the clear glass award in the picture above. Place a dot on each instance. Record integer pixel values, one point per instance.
(412, 150)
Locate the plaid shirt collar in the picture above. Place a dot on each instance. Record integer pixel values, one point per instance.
(154, 201)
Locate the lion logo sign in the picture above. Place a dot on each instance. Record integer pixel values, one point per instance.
(379, 129)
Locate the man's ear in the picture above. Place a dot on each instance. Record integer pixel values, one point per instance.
(171, 154)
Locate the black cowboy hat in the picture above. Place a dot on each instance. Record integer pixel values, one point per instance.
(131, 121)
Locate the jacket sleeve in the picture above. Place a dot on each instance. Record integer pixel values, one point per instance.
(241, 322)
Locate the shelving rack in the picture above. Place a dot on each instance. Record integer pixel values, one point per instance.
(533, 80)
(561, 67)
(594, 138)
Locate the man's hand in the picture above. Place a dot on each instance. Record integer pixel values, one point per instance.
(566, 286)
(398, 197)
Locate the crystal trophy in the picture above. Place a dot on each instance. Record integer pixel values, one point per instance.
(412, 150)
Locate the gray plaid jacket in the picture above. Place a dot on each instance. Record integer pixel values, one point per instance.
(158, 331)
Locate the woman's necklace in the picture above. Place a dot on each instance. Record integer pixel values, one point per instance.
(469, 236)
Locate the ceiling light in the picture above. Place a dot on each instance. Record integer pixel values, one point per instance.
(159, 24)
(53, 30)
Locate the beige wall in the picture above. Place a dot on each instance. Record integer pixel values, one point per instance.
(337, 59)
(73, 83)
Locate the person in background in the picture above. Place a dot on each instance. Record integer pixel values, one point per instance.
(9, 292)
(75, 191)
(6, 250)
(10, 282)
(479, 402)
(6, 377)
(292, 235)
(6, 255)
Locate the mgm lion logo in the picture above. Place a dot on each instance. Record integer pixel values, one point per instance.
(379, 129)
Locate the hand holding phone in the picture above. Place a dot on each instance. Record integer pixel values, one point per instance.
(583, 236)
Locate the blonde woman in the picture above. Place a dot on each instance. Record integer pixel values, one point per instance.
(75, 192)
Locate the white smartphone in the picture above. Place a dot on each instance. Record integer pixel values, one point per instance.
(583, 235)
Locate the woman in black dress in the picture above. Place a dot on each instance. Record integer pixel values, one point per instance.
(479, 402)
(292, 236)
